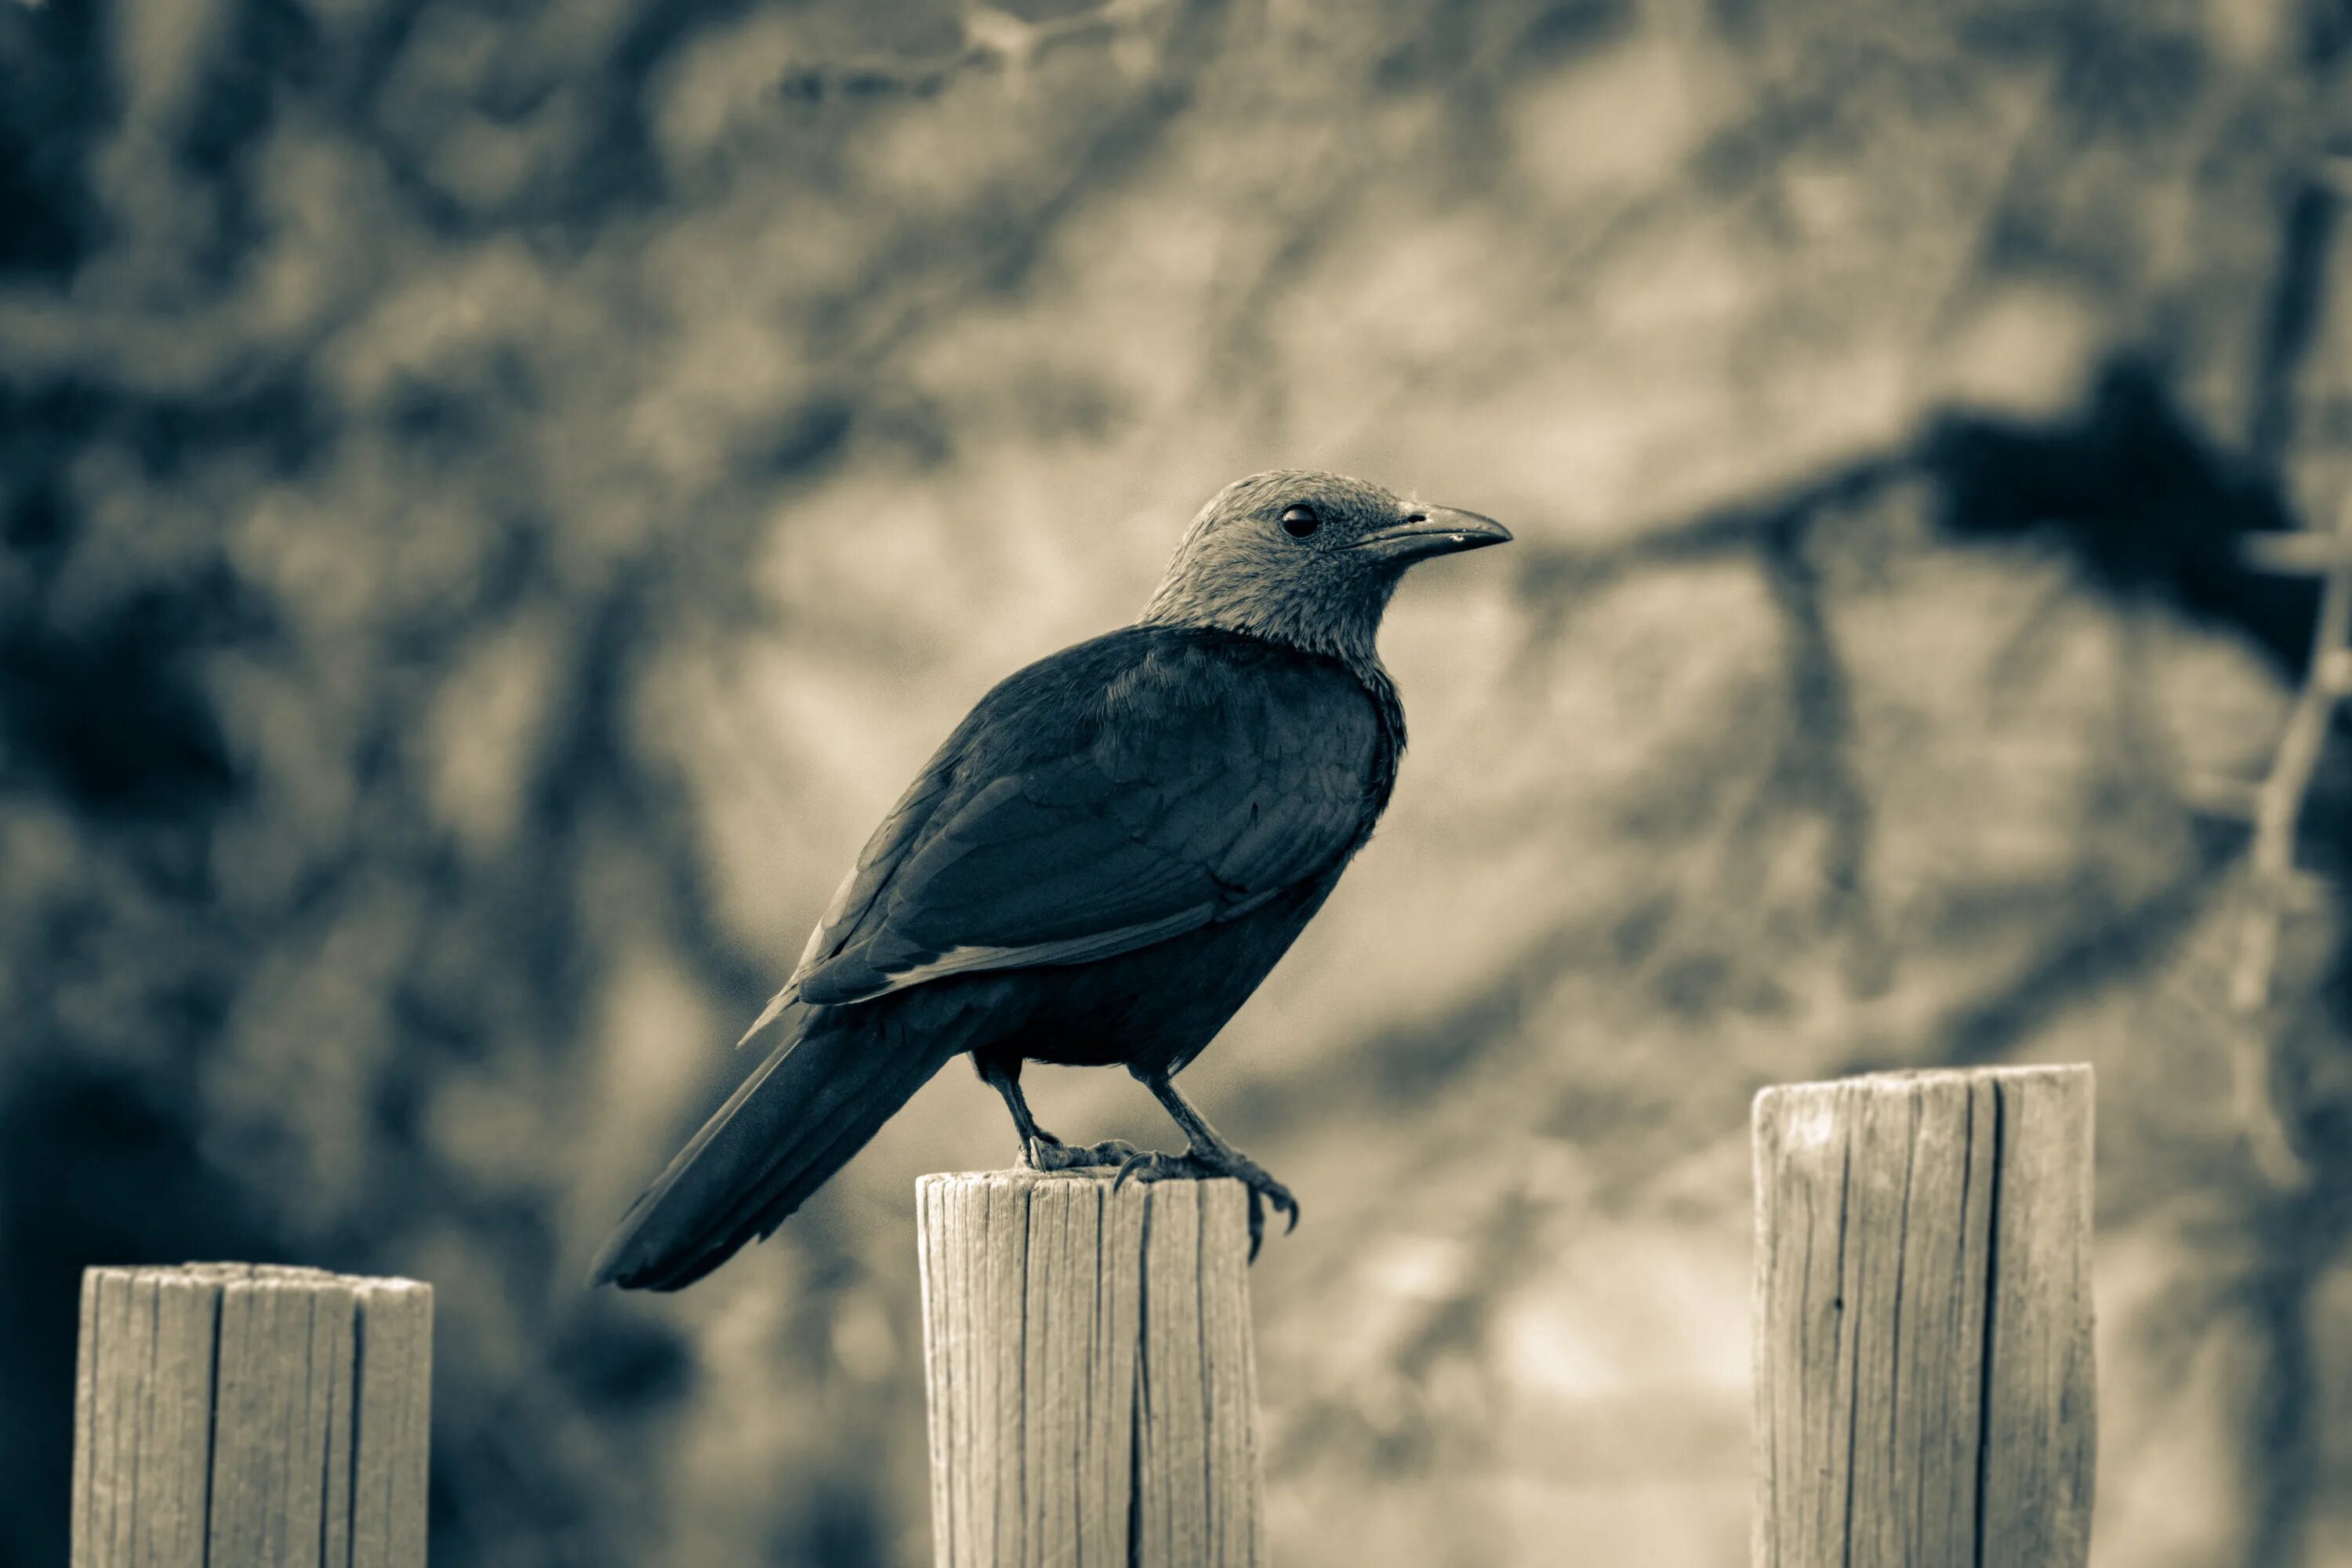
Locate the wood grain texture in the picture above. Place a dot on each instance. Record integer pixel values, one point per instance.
(226, 1414)
(1089, 1366)
(1924, 1392)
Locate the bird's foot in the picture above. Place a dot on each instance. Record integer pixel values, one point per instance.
(1053, 1154)
(1197, 1162)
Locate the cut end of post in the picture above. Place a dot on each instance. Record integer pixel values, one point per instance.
(249, 1413)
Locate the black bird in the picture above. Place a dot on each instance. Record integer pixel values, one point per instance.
(1097, 867)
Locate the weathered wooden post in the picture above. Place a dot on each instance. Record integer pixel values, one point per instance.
(235, 1414)
(1924, 1385)
(1093, 1393)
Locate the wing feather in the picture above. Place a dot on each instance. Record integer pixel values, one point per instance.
(1121, 793)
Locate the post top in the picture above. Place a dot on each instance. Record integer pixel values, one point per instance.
(288, 1276)
(1912, 1080)
(1024, 1176)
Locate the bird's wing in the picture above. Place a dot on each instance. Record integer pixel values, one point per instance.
(854, 900)
(1168, 792)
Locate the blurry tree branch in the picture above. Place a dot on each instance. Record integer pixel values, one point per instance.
(993, 40)
(1815, 771)
(2274, 887)
(989, 240)
(2273, 883)
(2278, 801)
(1552, 577)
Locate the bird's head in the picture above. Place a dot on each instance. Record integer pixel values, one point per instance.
(1306, 559)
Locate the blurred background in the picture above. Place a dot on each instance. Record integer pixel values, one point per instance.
(497, 498)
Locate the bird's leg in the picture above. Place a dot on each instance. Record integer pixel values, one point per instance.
(1038, 1145)
(1209, 1155)
(1040, 1150)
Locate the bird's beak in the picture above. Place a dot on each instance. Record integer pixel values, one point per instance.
(1432, 531)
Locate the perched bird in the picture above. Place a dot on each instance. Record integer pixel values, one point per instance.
(1097, 867)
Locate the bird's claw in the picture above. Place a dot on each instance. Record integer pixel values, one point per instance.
(1277, 1195)
(1154, 1166)
(1147, 1165)
(1053, 1154)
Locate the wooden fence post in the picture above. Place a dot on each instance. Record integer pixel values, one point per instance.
(1924, 1386)
(1093, 1396)
(236, 1414)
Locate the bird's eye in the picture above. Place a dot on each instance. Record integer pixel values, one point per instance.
(1301, 521)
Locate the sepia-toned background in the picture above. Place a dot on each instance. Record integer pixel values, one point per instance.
(497, 498)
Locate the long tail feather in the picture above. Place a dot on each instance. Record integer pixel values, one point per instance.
(816, 1101)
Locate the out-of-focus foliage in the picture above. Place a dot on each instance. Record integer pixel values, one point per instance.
(498, 497)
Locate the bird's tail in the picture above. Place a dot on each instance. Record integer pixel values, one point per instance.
(816, 1101)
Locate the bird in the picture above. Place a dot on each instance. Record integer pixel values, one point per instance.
(1097, 868)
